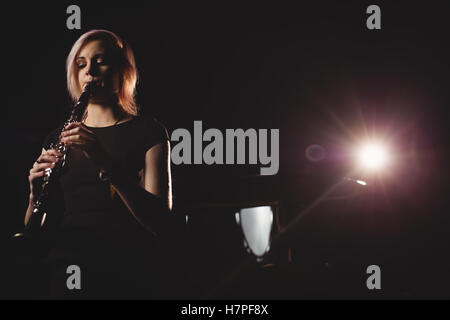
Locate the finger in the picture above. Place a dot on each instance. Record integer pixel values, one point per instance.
(77, 144)
(77, 130)
(37, 167)
(48, 158)
(53, 152)
(34, 178)
(72, 139)
(77, 139)
(83, 126)
(71, 131)
(73, 125)
(36, 175)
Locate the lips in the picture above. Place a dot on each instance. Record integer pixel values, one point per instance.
(95, 83)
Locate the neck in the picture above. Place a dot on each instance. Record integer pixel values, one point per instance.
(100, 115)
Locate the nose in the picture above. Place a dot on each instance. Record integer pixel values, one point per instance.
(92, 70)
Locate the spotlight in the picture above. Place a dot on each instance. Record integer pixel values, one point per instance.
(373, 157)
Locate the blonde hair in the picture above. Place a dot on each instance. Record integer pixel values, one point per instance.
(126, 66)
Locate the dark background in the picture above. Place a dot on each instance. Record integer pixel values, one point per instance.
(312, 70)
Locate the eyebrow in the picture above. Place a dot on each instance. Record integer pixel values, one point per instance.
(94, 56)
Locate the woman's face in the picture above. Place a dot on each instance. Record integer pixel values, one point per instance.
(94, 64)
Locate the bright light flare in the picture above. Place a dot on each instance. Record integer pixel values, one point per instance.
(373, 156)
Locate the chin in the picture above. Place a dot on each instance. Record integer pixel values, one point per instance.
(105, 97)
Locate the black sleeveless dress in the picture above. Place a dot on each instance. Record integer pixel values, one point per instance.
(97, 233)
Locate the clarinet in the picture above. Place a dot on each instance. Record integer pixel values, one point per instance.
(51, 176)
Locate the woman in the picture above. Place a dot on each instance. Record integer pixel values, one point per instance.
(116, 184)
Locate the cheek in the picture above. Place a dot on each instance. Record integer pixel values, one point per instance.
(104, 70)
(79, 78)
(106, 73)
(116, 81)
(111, 77)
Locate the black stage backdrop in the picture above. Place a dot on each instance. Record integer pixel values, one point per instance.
(311, 69)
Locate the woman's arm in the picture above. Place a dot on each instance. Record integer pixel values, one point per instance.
(151, 202)
(47, 159)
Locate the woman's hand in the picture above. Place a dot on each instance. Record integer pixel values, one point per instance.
(77, 136)
(47, 159)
